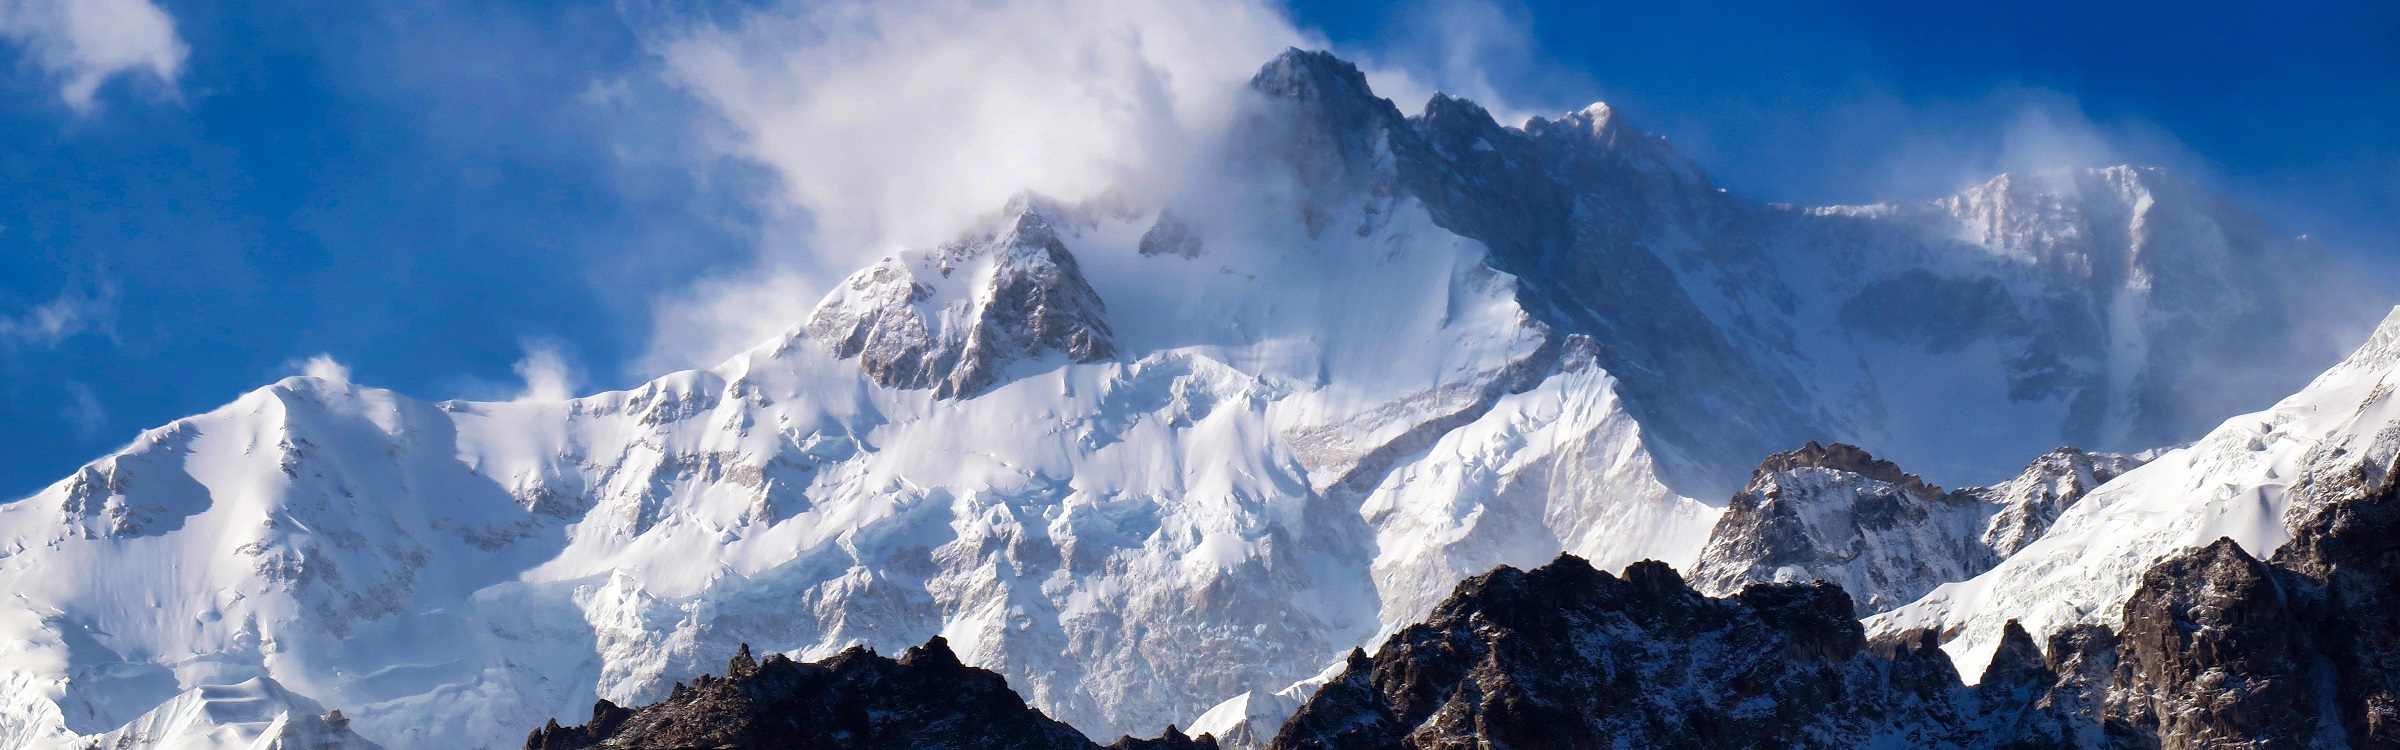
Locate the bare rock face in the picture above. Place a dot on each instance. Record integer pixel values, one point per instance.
(857, 699)
(1568, 656)
(2214, 654)
(955, 318)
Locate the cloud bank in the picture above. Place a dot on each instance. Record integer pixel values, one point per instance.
(83, 43)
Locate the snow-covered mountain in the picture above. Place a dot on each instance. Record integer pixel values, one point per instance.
(2253, 480)
(1139, 455)
(1834, 513)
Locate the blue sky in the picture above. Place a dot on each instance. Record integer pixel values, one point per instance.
(428, 191)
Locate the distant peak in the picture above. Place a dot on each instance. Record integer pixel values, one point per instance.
(1310, 74)
(1444, 111)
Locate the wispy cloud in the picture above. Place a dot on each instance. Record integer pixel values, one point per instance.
(83, 43)
(83, 411)
(1483, 50)
(70, 314)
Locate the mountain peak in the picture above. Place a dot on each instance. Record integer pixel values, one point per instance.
(1310, 74)
(952, 319)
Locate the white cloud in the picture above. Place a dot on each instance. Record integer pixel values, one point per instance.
(70, 314)
(548, 376)
(83, 43)
(895, 124)
(324, 367)
(83, 411)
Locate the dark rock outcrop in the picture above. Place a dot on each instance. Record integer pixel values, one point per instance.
(2219, 650)
(1568, 656)
(856, 700)
(2216, 653)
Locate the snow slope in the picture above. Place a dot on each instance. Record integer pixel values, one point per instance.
(2251, 480)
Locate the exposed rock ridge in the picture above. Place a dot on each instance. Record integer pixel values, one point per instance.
(925, 699)
(1019, 294)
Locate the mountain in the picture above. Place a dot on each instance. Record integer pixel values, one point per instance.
(2254, 480)
(924, 700)
(1835, 513)
(1143, 454)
